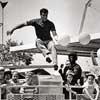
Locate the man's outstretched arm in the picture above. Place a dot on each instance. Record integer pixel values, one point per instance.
(10, 32)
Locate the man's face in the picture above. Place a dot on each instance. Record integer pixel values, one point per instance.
(71, 59)
(44, 16)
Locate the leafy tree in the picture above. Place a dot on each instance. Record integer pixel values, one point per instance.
(14, 57)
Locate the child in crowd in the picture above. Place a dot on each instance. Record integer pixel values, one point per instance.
(15, 81)
(68, 82)
(91, 89)
(30, 80)
(7, 76)
(10, 82)
(69, 78)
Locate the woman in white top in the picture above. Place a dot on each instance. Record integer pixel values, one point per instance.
(91, 89)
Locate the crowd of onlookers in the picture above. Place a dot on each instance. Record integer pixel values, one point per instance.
(71, 73)
(10, 82)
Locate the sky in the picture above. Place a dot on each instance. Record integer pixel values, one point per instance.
(66, 15)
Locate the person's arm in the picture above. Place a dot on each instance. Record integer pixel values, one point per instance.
(27, 23)
(55, 35)
(53, 30)
(22, 90)
(17, 27)
(60, 71)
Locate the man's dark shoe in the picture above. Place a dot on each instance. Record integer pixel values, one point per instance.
(55, 67)
(48, 60)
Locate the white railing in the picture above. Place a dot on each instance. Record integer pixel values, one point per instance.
(58, 95)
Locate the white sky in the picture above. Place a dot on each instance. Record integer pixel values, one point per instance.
(66, 14)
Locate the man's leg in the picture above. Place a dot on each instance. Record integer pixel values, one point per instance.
(52, 48)
(40, 45)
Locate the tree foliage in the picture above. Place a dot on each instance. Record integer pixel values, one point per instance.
(14, 57)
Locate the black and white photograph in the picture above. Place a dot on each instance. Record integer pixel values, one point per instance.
(49, 50)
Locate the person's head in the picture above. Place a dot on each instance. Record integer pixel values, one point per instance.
(1, 73)
(7, 74)
(90, 78)
(69, 76)
(44, 14)
(72, 57)
(28, 77)
(15, 76)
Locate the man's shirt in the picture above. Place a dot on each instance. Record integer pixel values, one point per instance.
(42, 28)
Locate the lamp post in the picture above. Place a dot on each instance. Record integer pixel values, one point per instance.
(88, 4)
(3, 4)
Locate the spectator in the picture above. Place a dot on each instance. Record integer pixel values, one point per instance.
(1, 82)
(5, 83)
(68, 82)
(10, 82)
(7, 76)
(91, 89)
(72, 65)
(30, 80)
(15, 81)
(68, 78)
(1, 75)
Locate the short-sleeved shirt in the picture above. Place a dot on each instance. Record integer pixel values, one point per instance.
(14, 89)
(27, 89)
(89, 87)
(42, 28)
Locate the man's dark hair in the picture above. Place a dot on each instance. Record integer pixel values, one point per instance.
(43, 10)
